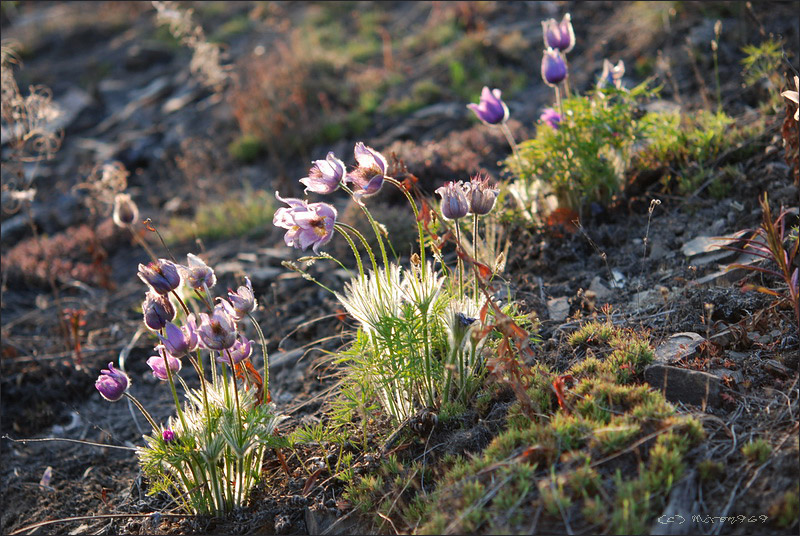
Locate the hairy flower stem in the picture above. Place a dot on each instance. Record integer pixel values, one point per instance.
(512, 143)
(235, 390)
(144, 411)
(416, 218)
(558, 102)
(174, 392)
(142, 243)
(341, 228)
(375, 229)
(459, 262)
(266, 356)
(475, 253)
(566, 78)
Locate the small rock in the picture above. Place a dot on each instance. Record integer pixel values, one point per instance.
(619, 279)
(678, 346)
(230, 267)
(601, 291)
(684, 385)
(776, 368)
(647, 298)
(708, 244)
(264, 275)
(558, 308)
(279, 360)
(658, 251)
(717, 226)
(721, 373)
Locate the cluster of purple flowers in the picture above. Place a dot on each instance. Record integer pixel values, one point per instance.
(559, 38)
(216, 331)
(312, 224)
(475, 197)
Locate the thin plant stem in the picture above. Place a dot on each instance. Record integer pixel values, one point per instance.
(266, 356)
(363, 240)
(566, 78)
(475, 252)
(148, 223)
(716, 75)
(375, 228)
(142, 243)
(144, 411)
(356, 254)
(558, 101)
(183, 305)
(235, 389)
(459, 261)
(174, 392)
(416, 218)
(513, 143)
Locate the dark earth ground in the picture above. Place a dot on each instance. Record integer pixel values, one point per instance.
(46, 394)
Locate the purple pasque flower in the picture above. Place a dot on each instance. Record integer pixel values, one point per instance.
(217, 331)
(612, 74)
(158, 310)
(125, 210)
(243, 301)
(197, 273)
(158, 363)
(480, 196)
(112, 383)
(241, 350)
(325, 176)
(454, 200)
(554, 70)
(307, 224)
(491, 109)
(181, 340)
(551, 117)
(168, 436)
(162, 276)
(559, 35)
(370, 173)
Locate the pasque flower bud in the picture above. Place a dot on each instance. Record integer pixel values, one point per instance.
(112, 383)
(554, 70)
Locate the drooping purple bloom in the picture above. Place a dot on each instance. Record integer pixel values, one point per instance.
(168, 436)
(181, 340)
(370, 173)
(454, 200)
(197, 273)
(241, 350)
(551, 117)
(325, 176)
(162, 276)
(243, 301)
(491, 109)
(554, 70)
(158, 363)
(158, 310)
(217, 331)
(612, 74)
(480, 196)
(307, 224)
(112, 383)
(125, 211)
(559, 36)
